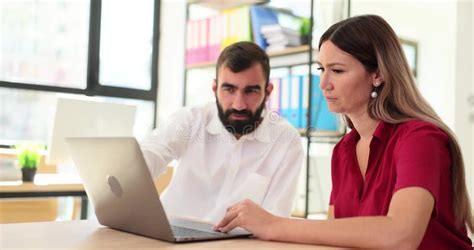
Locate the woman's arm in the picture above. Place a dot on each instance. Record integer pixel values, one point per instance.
(403, 227)
(331, 212)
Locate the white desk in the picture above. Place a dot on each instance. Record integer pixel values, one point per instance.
(88, 234)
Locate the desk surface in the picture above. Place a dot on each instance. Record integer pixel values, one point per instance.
(44, 183)
(89, 234)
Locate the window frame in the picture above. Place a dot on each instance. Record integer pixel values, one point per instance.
(93, 87)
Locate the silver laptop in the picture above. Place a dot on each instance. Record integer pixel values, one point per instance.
(120, 186)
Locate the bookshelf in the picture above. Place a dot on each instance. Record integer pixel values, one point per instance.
(297, 61)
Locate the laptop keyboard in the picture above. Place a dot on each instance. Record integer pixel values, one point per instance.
(188, 232)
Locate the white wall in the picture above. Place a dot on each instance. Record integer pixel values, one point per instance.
(465, 87)
(433, 25)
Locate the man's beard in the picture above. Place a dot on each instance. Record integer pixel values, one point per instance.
(240, 127)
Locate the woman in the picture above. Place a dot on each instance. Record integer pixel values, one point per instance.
(398, 176)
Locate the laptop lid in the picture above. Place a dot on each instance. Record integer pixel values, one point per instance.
(86, 118)
(122, 191)
(119, 185)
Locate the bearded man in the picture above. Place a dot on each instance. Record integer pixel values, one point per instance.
(229, 150)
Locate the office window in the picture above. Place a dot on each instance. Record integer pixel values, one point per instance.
(105, 50)
(126, 43)
(25, 115)
(44, 42)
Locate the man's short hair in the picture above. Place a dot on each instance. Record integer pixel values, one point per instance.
(243, 55)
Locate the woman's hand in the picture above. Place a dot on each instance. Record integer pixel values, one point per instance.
(248, 215)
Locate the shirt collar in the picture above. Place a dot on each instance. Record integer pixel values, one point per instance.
(261, 133)
(382, 132)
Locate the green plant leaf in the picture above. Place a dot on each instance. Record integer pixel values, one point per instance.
(29, 154)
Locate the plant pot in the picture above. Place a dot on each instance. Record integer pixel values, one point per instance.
(28, 174)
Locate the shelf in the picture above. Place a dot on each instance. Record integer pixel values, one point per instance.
(275, 54)
(321, 133)
(289, 51)
(201, 65)
(225, 4)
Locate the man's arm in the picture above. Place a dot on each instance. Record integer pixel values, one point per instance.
(167, 142)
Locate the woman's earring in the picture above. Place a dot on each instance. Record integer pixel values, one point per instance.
(374, 93)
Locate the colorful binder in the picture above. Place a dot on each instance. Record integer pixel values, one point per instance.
(321, 117)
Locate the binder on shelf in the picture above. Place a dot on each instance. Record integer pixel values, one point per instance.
(225, 20)
(261, 16)
(191, 42)
(236, 23)
(304, 98)
(273, 102)
(294, 112)
(321, 117)
(201, 52)
(215, 36)
(244, 24)
(197, 41)
(285, 110)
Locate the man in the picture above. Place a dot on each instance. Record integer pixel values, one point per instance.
(230, 150)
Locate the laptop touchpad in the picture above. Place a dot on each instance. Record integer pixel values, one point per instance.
(202, 226)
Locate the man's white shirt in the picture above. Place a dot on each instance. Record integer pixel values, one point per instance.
(215, 170)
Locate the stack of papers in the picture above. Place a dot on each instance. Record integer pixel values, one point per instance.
(279, 37)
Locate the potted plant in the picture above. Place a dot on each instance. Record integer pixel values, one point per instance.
(29, 156)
